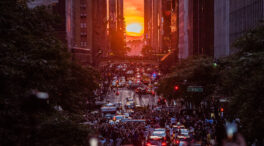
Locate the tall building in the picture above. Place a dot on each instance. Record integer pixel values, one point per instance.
(232, 19)
(148, 22)
(35, 3)
(116, 28)
(116, 14)
(166, 18)
(183, 45)
(86, 25)
(99, 35)
(153, 24)
(221, 28)
(175, 26)
(196, 28)
(82, 31)
(202, 18)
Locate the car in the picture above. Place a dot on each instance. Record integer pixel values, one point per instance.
(183, 134)
(129, 72)
(130, 103)
(183, 137)
(149, 90)
(159, 132)
(126, 115)
(118, 118)
(118, 105)
(177, 127)
(157, 137)
(108, 116)
(109, 108)
(184, 131)
(141, 90)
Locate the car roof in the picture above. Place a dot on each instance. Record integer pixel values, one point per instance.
(159, 129)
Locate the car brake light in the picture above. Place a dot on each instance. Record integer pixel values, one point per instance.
(164, 144)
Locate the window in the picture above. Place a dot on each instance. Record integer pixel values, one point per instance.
(83, 6)
(83, 15)
(83, 25)
(83, 44)
(83, 33)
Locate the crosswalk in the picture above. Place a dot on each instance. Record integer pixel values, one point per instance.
(144, 100)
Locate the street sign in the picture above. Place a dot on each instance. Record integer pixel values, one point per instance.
(195, 89)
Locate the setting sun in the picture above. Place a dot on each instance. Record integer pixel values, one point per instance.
(134, 26)
(134, 29)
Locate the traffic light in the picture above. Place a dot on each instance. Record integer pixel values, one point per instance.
(222, 109)
(176, 87)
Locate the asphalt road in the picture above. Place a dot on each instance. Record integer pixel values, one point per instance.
(124, 93)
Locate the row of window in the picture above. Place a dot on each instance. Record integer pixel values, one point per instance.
(83, 6)
(83, 33)
(83, 25)
(83, 15)
(83, 44)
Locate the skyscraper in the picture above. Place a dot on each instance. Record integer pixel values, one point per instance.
(116, 25)
(82, 31)
(153, 24)
(196, 28)
(116, 14)
(99, 35)
(233, 18)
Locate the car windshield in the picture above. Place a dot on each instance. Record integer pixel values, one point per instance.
(159, 133)
(184, 131)
(119, 117)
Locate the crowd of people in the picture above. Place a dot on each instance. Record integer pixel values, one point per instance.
(137, 133)
(201, 130)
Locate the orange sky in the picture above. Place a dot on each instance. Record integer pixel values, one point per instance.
(134, 17)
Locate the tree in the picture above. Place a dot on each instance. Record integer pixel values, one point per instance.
(195, 71)
(242, 81)
(32, 59)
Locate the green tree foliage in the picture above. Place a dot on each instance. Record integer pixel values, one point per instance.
(31, 58)
(243, 82)
(196, 71)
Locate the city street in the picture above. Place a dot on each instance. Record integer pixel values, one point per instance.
(124, 93)
(131, 72)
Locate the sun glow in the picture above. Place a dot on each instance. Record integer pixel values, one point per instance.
(134, 26)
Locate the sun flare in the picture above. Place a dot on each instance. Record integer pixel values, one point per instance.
(134, 26)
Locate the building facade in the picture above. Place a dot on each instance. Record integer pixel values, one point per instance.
(116, 14)
(183, 45)
(166, 18)
(174, 26)
(83, 27)
(221, 28)
(82, 31)
(196, 28)
(99, 35)
(244, 15)
(153, 18)
(233, 18)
